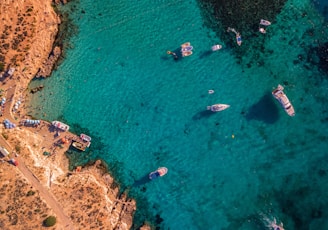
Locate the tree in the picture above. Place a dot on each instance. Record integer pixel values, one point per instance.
(49, 221)
(2, 66)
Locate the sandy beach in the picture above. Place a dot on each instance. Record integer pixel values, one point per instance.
(41, 185)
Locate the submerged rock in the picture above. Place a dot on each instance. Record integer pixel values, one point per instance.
(244, 15)
(322, 53)
(37, 89)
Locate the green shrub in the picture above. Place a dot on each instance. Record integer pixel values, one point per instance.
(5, 135)
(49, 221)
(2, 66)
(17, 148)
(30, 193)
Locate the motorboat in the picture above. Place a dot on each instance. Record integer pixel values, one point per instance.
(60, 125)
(85, 137)
(217, 107)
(161, 171)
(185, 44)
(186, 49)
(279, 94)
(185, 54)
(216, 47)
(265, 22)
(238, 38)
(78, 145)
(262, 30)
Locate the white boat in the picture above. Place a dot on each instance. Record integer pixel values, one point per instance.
(279, 94)
(186, 49)
(238, 39)
(262, 30)
(216, 47)
(187, 53)
(185, 44)
(238, 36)
(60, 125)
(85, 137)
(265, 22)
(217, 107)
(161, 171)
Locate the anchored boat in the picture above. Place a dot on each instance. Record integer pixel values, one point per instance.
(217, 107)
(265, 22)
(158, 173)
(279, 94)
(216, 47)
(238, 38)
(85, 137)
(78, 145)
(186, 49)
(60, 125)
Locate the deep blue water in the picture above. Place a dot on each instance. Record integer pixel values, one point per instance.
(143, 109)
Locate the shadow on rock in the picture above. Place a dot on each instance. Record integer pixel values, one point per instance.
(265, 110)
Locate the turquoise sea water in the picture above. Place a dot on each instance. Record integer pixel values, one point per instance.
(143, 109)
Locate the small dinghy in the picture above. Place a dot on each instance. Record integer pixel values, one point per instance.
(158, 173)
(216, 47)
(186, 53)
(265, 22)
(238, 39)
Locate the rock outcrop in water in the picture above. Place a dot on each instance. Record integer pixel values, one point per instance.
(48, 65)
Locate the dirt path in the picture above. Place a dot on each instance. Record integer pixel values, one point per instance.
(45, 194)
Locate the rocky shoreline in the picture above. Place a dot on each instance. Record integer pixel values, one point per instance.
(87, 198)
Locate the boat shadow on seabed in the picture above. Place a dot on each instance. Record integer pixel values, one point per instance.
(206, 54)
(203, 114)
(264, 110)
(141, 181)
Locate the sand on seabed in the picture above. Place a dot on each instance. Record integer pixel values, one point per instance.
(28, 29)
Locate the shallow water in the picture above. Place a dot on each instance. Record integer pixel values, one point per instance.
(143, 110)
